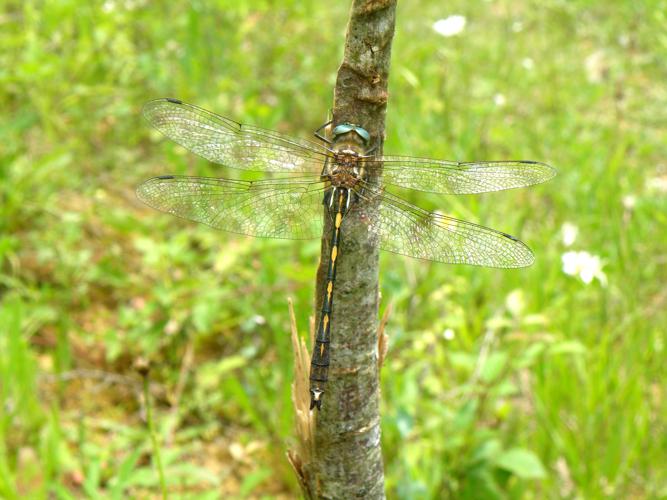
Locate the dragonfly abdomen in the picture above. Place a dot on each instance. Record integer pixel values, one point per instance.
(319, 364)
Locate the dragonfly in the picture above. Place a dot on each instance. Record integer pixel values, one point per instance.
(331, 176)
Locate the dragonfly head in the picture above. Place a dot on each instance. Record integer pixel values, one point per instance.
(345, 128)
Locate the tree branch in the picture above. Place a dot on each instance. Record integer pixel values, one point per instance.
(345, 459)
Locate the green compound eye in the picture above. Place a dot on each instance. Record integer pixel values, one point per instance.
(344, 128)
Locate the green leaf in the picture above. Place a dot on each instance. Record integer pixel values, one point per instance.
(462, 361)
(531, 354)
(480, 484)
(522, 463)
(494, 366)
(404, 422)
(62, 493)
(487, 450)
(209, 373)
(92, 477)
(125, 471)
(465, 416)
(254, 479)
(568, 347)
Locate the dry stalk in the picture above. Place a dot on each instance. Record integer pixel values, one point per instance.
(383, 339)
(305, 419)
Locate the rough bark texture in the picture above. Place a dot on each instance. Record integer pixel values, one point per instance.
(346, 459)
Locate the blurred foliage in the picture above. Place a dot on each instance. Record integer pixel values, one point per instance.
(498, 384)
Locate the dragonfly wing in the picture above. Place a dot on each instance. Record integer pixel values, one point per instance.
(221, 140)
(409, 230)
(440, 176)
(272, 208)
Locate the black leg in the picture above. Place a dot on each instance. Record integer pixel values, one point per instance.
(321, 137)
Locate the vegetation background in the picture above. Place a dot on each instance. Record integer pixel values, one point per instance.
(547, 382)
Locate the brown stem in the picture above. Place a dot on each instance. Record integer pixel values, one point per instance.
(346, 460)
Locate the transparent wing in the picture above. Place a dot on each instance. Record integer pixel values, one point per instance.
(440, 176)
(409, 230)
(221, 140)
(272, 208)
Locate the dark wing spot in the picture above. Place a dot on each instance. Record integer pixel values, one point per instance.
(175, 101)
(165, 176)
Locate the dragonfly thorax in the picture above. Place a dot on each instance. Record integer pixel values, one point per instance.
(346, 168)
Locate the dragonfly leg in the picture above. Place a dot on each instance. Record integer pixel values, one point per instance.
(321, 137)
(370, 152)
(332, 198)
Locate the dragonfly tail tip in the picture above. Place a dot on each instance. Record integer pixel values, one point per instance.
(316, 399)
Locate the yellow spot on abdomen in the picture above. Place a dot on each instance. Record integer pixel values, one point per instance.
(325, 321)
(334, 253)
(321, 349)
(339, 218)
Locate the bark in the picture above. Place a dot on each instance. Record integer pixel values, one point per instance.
(345, 457)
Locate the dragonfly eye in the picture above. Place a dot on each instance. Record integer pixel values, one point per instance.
(344, 128)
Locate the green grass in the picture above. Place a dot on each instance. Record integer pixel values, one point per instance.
(549, 388)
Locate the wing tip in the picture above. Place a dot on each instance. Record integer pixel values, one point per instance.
(141, 195)
(550, 171)
(547, 171)
(142, 191)
(153, 103)
(527, 261)
(526, 258)
(522, 256)
(544, 170)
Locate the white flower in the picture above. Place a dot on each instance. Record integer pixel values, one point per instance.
(516, 302)
(259, 319)
(629, 201)
(657, 184)
(569, 233)
(450, 26)
(584, 265)
(528, 64)
(448, 334)
(499, 100)
(596, 66)
(172, 327)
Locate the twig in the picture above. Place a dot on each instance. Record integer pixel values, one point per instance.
(186, 363)
(143, 368)
(383, 339)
